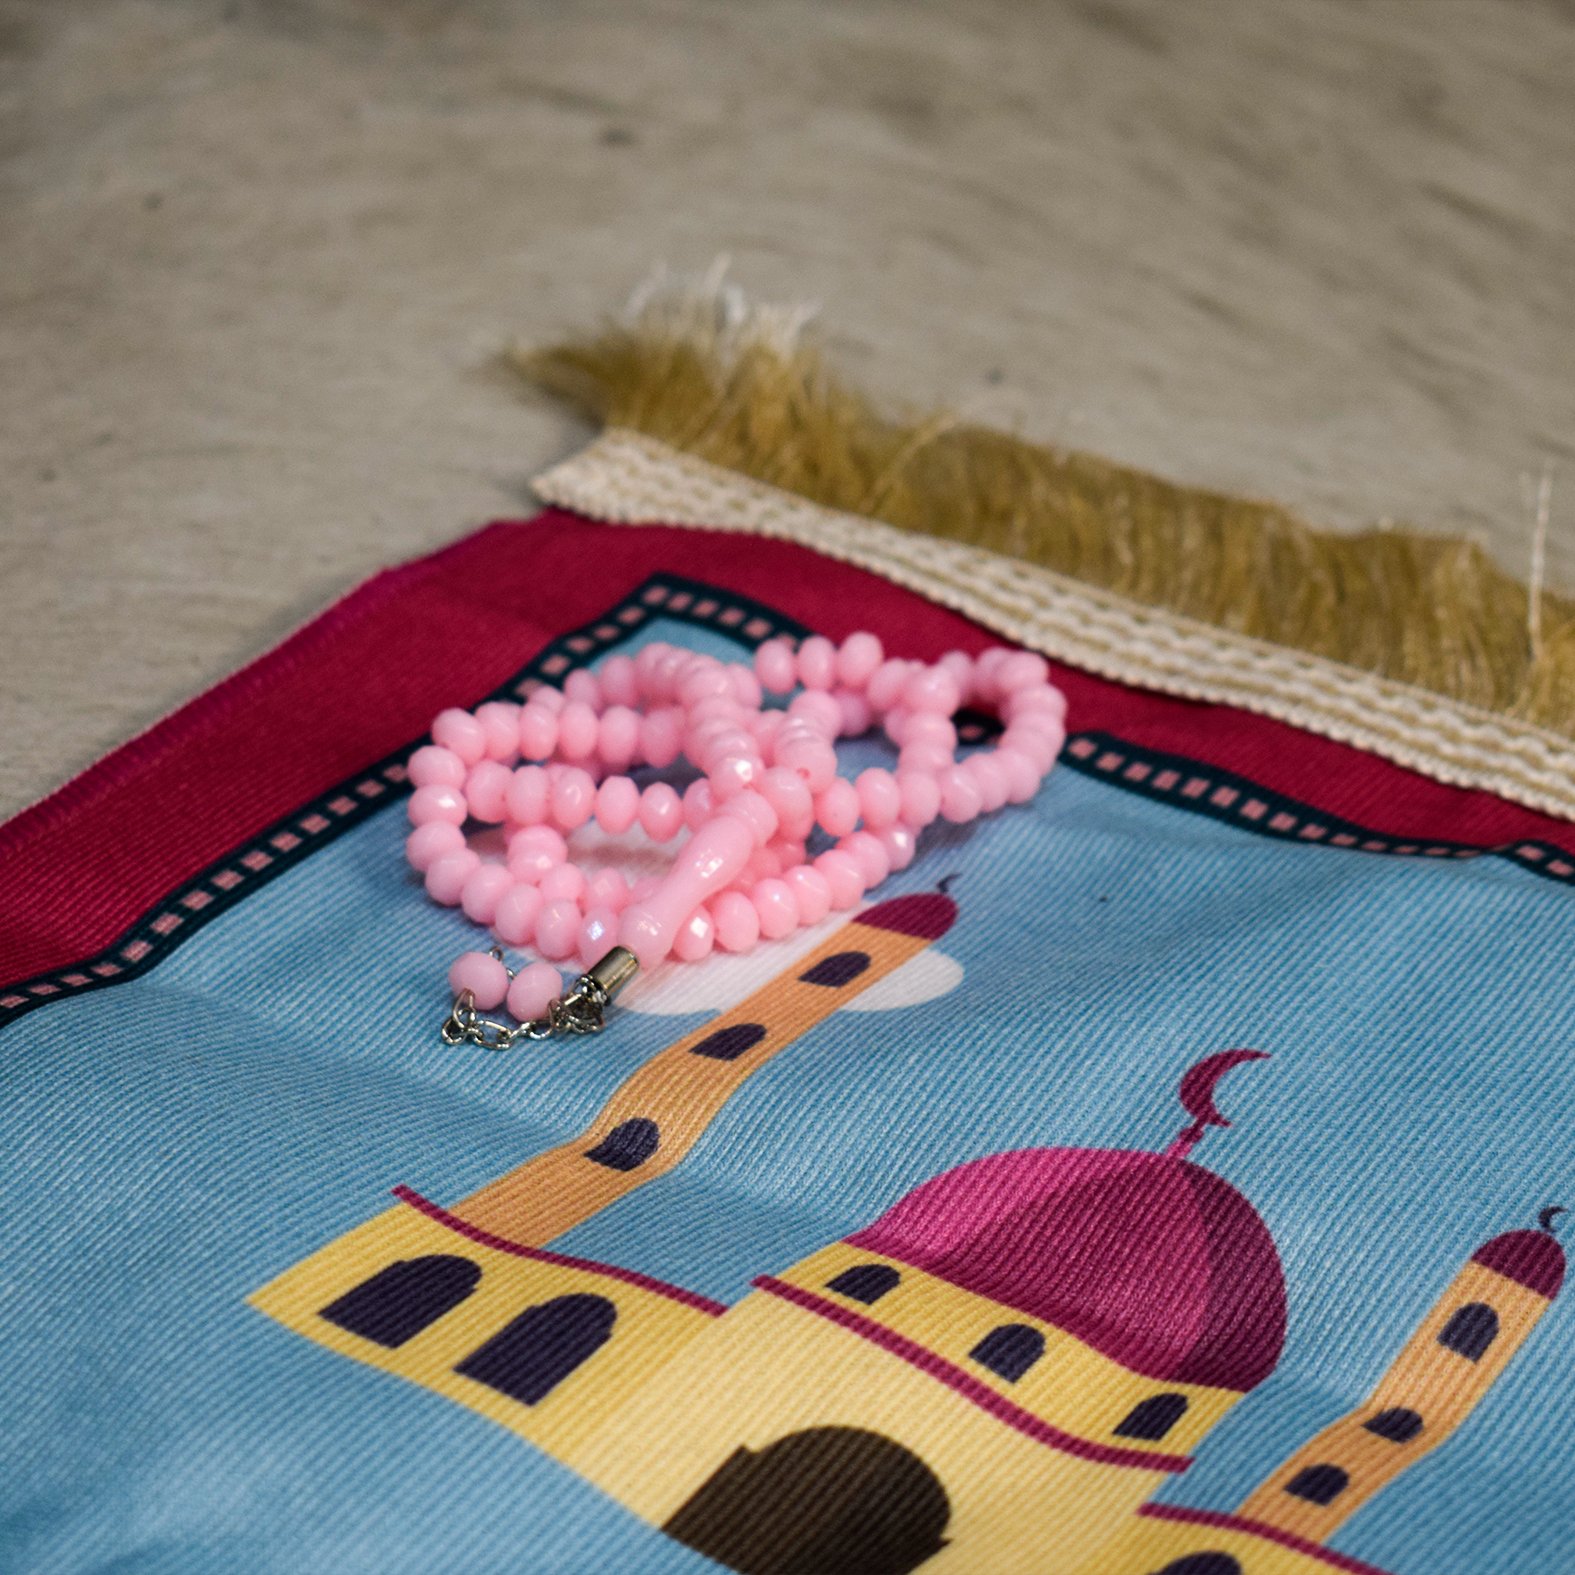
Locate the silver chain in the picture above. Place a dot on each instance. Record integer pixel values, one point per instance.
(581, 1009)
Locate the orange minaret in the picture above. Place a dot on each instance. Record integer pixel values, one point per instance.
(1440, 1376)
(659, 1113)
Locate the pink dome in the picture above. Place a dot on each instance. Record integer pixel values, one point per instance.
(1531, 1258)
(1152, 1260)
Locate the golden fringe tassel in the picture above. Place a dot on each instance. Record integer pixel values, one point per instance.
(738, 389)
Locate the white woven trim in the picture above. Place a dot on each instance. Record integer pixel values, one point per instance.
(625, 477)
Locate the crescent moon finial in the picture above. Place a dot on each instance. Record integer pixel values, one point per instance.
(1546, 1217)
(1196, 1093)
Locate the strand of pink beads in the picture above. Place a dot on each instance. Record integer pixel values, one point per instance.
(767, 778)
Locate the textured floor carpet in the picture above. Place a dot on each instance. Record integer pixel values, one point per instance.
(258, 257)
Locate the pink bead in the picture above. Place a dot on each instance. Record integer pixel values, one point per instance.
(871, 857)
(446, 876)
(813, 759)
(543, 840)
(607, 889)
(928, 758)
(696, 936)
(500, 721)
(987, 673)
(534, 851)
(989, 776)
(661, 812)
(436, 803)
(737, 922)
(514, 921)
(1022, 670)
(527, 799)
(746, 687)
(921, 797)
(478, 897)
(812, 891)
(1022, 775)
(931, 690)
(645, 886)
(549, 699)
(432, 766)
(857, 659)
(558, 928)
(775, 667)
(460, 731)
(538, 730)
(577, 730)
(619, 685)
(534, 989)
(581, 685)
(1044, 700)
(486, 790)
(886, 683)
(856, 714)
(645, 662)
(793, 803)
(697, 804)
(618, 738)
(819, 709)
(563, 880)
(661, 738)
(573, 798)
(427, 844)
(837, 807)
(617, 805)
(704, 678)
(817, 663)
(960, 799)
(1040, 743)
(598, 935)
(483, 975)
(960, 666)
(900, 844)
(880, 799)
(731, 776)
(926, 727)
(844, 879)
(776, 906)
(755, 812)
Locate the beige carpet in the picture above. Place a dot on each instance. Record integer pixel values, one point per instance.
(257, 258)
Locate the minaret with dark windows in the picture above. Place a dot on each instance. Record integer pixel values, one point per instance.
(1441, 1375)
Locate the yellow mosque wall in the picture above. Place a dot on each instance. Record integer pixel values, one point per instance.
(1071, 1386)
(768, 1369)
(1149, 1545)
(648, 1330)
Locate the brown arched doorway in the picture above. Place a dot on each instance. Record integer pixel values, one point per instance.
(826, 1501)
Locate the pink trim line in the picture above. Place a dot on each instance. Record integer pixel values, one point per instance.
(969, 1387)
(540, 1254)
(1256, 1528)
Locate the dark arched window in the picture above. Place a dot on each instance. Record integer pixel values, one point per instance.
(398, 1302)
(1010, 1350)
(1153, 1418)
(1318, 1484)
(628, 1145)
(837, 970)
(1470, 1331)
(728, 1044)
(528, 1358)
(1397, 1424)
(1202, 1564)
(866, 1282)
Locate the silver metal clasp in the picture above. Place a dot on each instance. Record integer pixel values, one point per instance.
(581, 1009)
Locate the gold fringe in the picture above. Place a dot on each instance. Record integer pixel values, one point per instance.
(740, 390)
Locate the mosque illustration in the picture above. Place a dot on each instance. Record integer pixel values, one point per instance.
(995, 1376)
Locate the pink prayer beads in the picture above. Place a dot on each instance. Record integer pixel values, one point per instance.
(767, 778)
